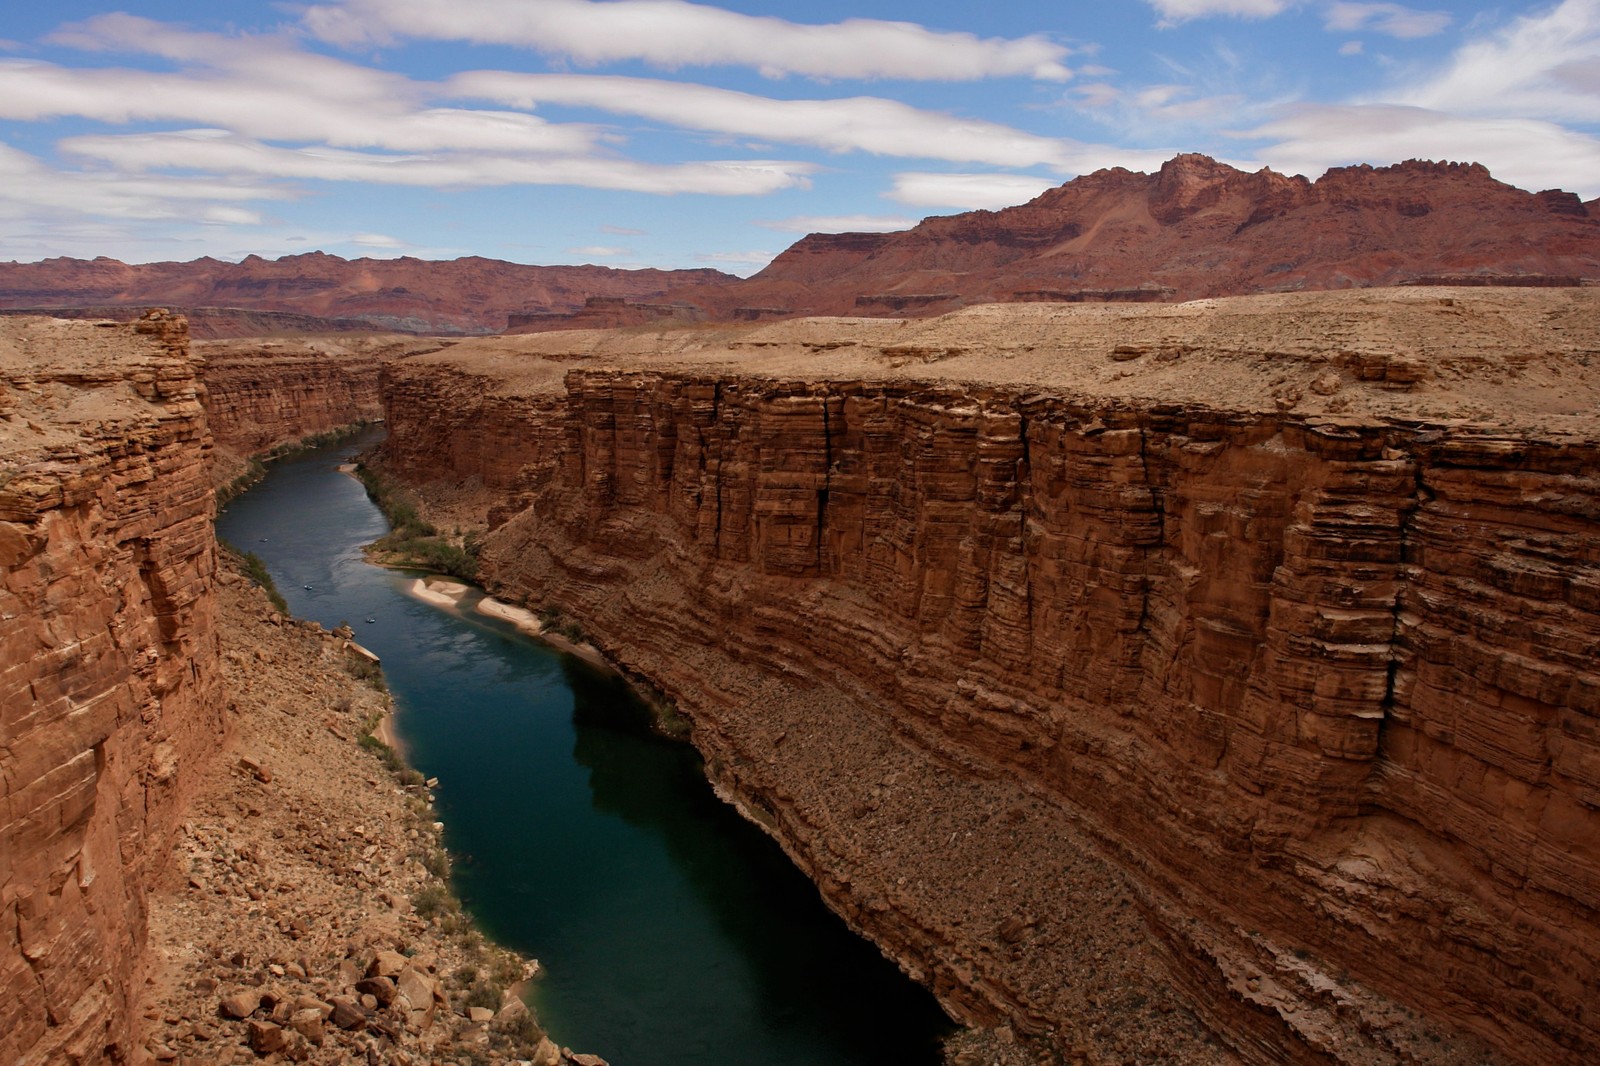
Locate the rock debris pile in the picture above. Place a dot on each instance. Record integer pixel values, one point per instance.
(303, 916)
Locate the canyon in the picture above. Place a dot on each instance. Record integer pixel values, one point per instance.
(264, 393)
(200, 861)
(1203, 682)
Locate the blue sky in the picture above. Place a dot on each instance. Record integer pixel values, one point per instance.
(675, 134)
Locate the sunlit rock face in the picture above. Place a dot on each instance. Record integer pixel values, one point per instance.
(1264, 639)
(109, 685)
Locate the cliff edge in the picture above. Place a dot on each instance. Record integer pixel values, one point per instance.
(110, 688)
(1195, 683)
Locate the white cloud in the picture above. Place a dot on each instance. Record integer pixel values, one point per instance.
(1539, 67)
(675, 34)
(1176, 11)
(623, 231)
(838, 223)
(263, 86)
(1391, 19)
(600, 251)
(742, 263)
(861, 123)
(967, 192)
(1351, 48)
(220, 152)
(28, 184)
(376, 240)
(1521, 152)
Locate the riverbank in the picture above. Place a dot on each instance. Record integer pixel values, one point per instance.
(305, 913)
(442, 592)
(232, 474)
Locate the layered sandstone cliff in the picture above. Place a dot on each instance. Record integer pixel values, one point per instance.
(109, 683)
(261, 393)
(1173, 683)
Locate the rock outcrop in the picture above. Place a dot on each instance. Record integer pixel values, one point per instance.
(468, 295)
(1170, 683)
(110, 692)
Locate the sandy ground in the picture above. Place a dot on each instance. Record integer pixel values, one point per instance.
(1520, 359)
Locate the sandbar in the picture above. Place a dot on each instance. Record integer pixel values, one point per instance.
(524, 620)
(437, 592)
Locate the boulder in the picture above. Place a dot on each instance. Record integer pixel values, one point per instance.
(266, 1038)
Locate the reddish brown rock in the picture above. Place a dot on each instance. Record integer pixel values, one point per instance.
(1195, 228)
(468, 295)
(262, 393)
(109, 685)
(1103, 691)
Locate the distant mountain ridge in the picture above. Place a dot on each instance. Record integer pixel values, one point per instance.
(1195, 228)
(468, 295)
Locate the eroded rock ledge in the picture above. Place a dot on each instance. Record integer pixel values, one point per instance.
(1187, 683)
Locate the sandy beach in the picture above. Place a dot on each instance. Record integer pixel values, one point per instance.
(523, 619)
(438, 591)
(445, 593)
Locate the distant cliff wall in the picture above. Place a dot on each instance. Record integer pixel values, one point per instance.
(109, 684)
(263, 393)
(1324, 693)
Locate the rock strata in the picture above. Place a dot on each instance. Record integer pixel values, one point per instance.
(110, 692)
(1182, 683)
(262, 393)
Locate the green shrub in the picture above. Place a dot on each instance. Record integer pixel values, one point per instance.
(433, 901)
(484, 993)
(256, 570)
(415, 539)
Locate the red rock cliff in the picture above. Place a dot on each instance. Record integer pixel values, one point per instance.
(1195, 228)
(1262, 632)
(260, 393)
(109, 682)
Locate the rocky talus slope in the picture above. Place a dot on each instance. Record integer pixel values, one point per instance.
(300, 914)
(110, 690)
(1195, 683)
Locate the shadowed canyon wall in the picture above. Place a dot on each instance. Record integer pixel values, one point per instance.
(1318, 688)
(109, 683)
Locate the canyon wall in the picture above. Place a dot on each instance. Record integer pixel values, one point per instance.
(110, 692)
(1174, 684)
(261, 393)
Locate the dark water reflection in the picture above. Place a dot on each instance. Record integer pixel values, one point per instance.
(672, 931)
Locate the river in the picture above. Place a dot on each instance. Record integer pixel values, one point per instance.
(672, 932)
